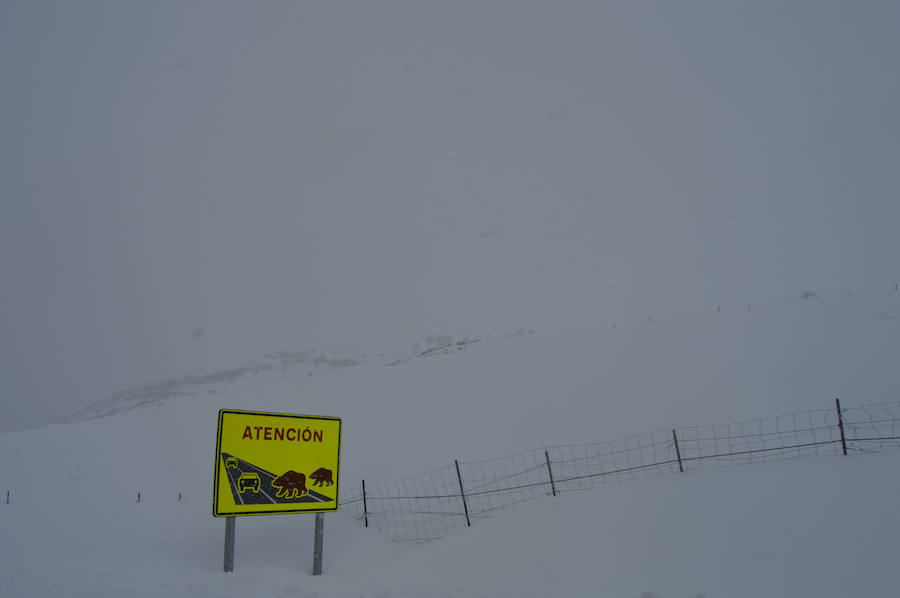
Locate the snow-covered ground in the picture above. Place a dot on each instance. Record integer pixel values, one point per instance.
(823, 526)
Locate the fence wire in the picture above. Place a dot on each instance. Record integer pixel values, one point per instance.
(429, 506)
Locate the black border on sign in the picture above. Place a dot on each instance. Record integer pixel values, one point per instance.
(217, 460)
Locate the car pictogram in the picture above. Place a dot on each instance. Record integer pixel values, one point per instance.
(248, 481)
(231, 462)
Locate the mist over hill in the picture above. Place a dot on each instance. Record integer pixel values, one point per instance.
(191, 184)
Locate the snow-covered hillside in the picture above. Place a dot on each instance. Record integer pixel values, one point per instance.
(822, 526)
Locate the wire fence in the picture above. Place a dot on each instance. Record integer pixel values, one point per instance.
(430, 505)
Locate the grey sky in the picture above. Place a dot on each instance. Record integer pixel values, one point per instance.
(358, 174)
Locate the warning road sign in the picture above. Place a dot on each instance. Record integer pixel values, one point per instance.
(270, 463)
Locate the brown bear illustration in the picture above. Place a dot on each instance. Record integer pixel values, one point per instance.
(290, 485)
(322, 477)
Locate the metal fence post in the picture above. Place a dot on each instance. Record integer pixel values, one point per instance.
(365, 505)
(841, 425)
(677, 451)
(317, 548)
(462, 493)
(550, 471)
(229, 544)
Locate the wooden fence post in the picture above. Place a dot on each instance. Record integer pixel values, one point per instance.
(677, 451)
(550, 471)
(841, 425)
(365, 505)
(462, 493)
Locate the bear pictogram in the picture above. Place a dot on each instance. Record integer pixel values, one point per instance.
(322, 477)
(290, 485)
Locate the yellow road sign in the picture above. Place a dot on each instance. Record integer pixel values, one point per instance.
(271, 463)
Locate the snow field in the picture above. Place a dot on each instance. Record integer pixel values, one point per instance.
(820, 527)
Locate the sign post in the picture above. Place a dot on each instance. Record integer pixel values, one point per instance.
(229, 544)
(317, 547)
(275, 463)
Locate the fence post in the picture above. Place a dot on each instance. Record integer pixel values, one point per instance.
(462, 493)
(550, 471)
(365, 506)
(841, 425)
(7, 497)
(139, 497)
(677, 451)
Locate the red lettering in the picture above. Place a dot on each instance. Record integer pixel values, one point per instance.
(267, 435)
(290, 433)
(317, 435)
(279, 433)
(257, 428)
(247, 433)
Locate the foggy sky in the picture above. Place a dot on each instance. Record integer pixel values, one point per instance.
(353, 175)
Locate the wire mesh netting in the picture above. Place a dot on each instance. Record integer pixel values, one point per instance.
(772, 439)
(419, 508)
(873, 428)
(428, 506)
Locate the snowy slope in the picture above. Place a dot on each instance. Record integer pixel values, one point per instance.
(815, 527)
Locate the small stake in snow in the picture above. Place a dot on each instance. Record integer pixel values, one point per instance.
(179, 496)
(7, 497)
(139, 497)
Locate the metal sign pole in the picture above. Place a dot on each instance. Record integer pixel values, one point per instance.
(229, 544)
(317, 549)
